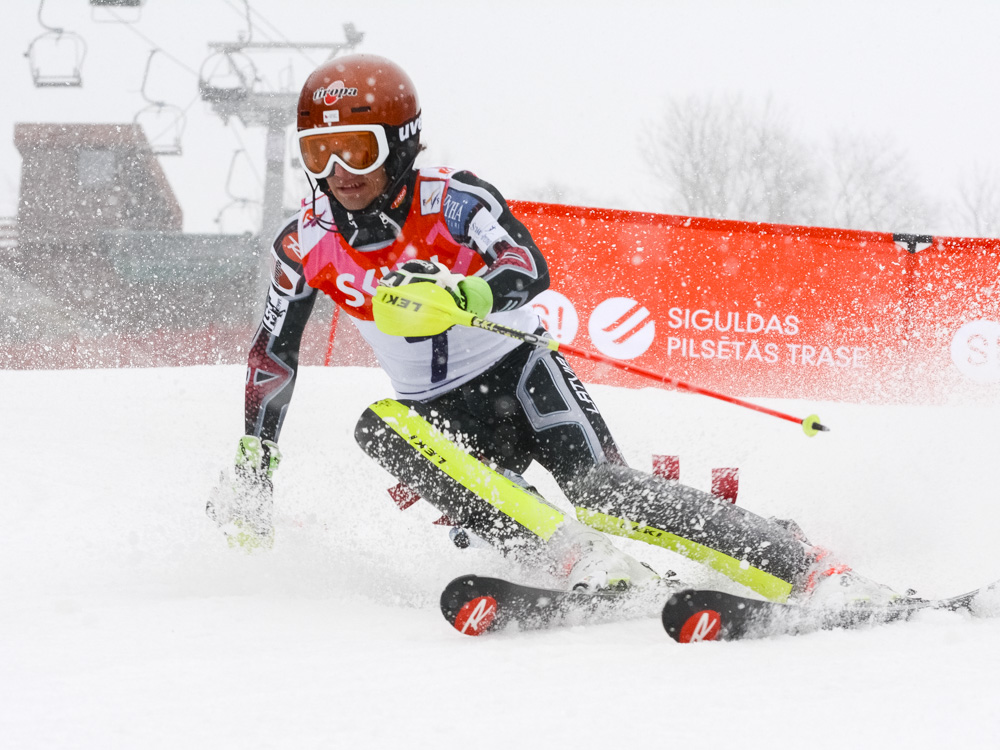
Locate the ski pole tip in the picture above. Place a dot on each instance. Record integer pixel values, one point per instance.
(811, 425)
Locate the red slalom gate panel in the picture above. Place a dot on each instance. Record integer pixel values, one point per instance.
(767, 310)
(668, 467)
(726, 483)
(403, 495)
(759, 310)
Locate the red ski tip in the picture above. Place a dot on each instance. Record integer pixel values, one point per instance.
(476, 615)
(701, 626)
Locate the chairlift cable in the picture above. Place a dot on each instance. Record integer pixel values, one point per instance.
(285, 39)
(253, 169)
(194, 100)
(245, 13)
(166, 138)
(156, 140)
(229, 179)
(234, 201)
(159, 47)
(246, 5)
(145, 79)
(42, 23)
(275, 31)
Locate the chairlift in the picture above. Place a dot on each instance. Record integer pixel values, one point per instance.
(162, 123)
(227, 76)
(352, 36)
(111, 11)
(247, 208)
(56, 56)
(238, 217)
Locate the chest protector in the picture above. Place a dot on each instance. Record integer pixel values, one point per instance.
(350, 276)
(419, 368)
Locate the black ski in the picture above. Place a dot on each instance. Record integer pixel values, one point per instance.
(701, 615)
(476, 605)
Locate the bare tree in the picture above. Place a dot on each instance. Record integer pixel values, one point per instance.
(979, 203)
(874, 187)
(725, 159)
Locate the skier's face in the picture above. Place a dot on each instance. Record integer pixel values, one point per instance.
(356, 191)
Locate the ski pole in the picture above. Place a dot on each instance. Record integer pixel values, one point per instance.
(428, 309)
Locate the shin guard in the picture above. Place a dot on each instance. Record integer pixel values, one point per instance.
(465, 489)
(744, 547)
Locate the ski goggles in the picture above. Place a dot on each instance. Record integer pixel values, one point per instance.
(360, 149)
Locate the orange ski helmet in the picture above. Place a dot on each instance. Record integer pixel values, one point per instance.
(362, 112)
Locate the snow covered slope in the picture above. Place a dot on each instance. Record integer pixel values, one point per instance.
(125, 622)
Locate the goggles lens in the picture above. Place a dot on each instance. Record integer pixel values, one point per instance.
(358, 150)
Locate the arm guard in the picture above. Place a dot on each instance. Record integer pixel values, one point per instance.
(274, 355)
(478, 216)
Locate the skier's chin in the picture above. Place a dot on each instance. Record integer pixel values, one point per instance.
(356, 192)
(354, 198)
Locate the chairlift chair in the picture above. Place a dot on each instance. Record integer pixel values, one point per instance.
(237, 215)
(163, 125)
(352, 36)
(247, 209)
(109, 11)
(232, 83)
(56, 59)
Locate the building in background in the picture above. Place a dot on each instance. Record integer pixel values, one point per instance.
(100, 273)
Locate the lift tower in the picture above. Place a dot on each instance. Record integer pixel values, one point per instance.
(234, 88)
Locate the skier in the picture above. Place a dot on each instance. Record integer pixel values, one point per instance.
(472, 409)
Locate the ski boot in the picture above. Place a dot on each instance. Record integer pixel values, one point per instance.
(830, 584)
(590, 562)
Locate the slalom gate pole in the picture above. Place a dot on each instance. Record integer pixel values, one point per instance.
(428, 309)
(810, 425)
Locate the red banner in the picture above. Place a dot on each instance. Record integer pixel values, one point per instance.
(767, 310)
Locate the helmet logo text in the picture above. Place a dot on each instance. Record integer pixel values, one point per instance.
(331, 94)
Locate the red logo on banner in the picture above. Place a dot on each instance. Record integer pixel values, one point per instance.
(557, 315)
(621, 328)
